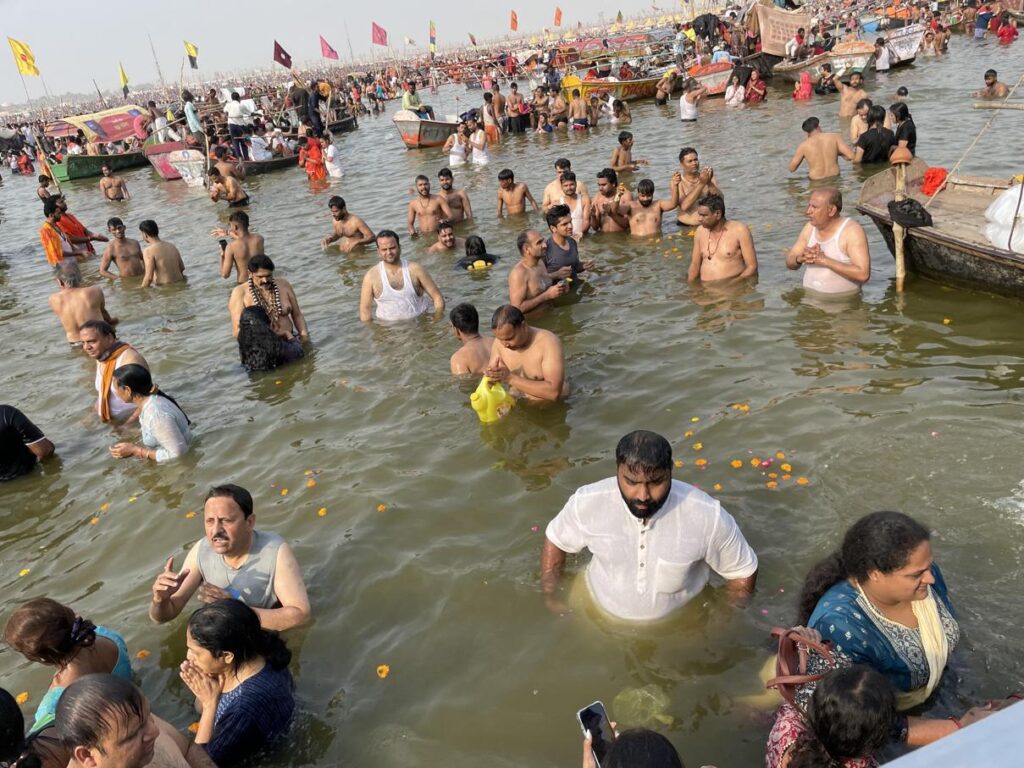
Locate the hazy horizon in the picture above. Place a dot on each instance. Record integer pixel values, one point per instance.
(68, 63)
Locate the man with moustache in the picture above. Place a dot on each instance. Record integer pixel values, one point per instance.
(654, 540)
(642, 217)
(235, 561)
(457, 199)
(402, 290)
(349, 231)
(430, 209)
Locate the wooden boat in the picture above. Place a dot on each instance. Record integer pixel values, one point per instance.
(84, 166)
(344, 125)
(624, 90)
(954, 249)
(257, 167)
(159, 154)
(845, 57)
(419, 134)
(904, 43)
(714, 77)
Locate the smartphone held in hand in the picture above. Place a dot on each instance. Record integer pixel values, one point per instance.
(594, 719)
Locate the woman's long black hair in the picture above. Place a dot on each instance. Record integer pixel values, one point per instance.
(140, 382)
(259, 348)
(231, 626)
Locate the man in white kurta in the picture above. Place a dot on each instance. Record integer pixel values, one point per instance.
(654, 540)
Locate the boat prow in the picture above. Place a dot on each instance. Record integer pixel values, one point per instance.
(417, 133)
(954, 249)
(844, 58)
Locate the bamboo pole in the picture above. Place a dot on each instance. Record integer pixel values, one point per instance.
(898, 231)
(997, 105)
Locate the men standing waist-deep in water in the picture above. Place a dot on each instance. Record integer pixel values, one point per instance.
(562, 257)
(622, 156)
(243, 246)
(457, 199)
(428, 208)
(850, 94)
(643, 218)
(350, 231)
(694, 183)
(512, 194)
(162, 259)
(721, 249)
(74, 303)
(101, 344)
(472, 357)
(124, 252)
(529, 284)
(235, 561)
(228, 188)
(113, 187)
(654, 540)
(402, 290)
(528, 360)
(277, 298)
(446, 239)
(834, 250)
(610, 194)
(553, 191)
(821, 151)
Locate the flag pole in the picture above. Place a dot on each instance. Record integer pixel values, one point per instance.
(99, 93)
(28, 99)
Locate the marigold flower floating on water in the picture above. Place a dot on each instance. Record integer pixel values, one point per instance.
(780, 455)
(383, 671)
(678, 463)
(802, 481)
(381, 507)
(695, 419)
(689, 433)
(311, 483)
(322, 512)
(143, 653)
(24, 572)
(194, 727)
(190, 514)
(94, 521)
(736, 463)
(133, 499)
(284, 491)
(755, 462)
(772, 475)
(743, 407)
(701, 462)
(786, 467)
(717, 486)
(698, 446)
(104, 507)
(22, 697)
(786, 477)
(771, 484)
(946, 321)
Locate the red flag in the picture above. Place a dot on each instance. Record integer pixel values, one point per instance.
(326, 51)
(379, 35)
(558, 16)
(515, 22)
(281, 56)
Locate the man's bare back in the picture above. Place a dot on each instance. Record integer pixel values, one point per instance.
(163, 264)
(126, 253)
(238, 253)
(75, 306)
(821, 151)
(472, 357)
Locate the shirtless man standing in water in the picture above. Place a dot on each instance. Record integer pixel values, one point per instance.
(610, 194)
(721, 249)
(513, 195)
(821, 151)
(123, 251)
(644, 217)
(553, 191)
(475, 352)
(527, 360)
(162, 260)
(113, 187)
(694, 184)
(529, 284)
(850, 94)
(228, 188)
(429, 208)
(275, 295)
(351, 230)
(244, 246)
(75, 304)
(457, 199)
(446, 239)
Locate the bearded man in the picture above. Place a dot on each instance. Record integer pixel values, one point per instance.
(654, 540)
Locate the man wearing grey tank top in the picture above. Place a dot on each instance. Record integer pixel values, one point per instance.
(236, 561)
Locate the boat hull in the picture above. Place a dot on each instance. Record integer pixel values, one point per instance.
(159, 157)
(841, 60)
(344, 125)
(623, 90)
(422, 134)
(714, 77)
(86, 166)
(257, 167)
(951, 251)
(904, 43)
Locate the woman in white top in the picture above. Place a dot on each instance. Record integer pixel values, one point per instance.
(735, 93)
(479, 143)
(689, 100)
(165, 427)
(332, 162)
(457, 146)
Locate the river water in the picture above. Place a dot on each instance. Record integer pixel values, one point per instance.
(909, 403)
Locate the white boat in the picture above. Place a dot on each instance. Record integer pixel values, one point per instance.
(904, 43)
(417, 133)
(844, 58)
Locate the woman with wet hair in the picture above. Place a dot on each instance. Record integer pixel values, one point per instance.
(47, 632)
(239, 674)
(165, 427)
(259, 348)
(881, 600)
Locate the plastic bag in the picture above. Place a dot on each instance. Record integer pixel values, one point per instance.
(1003, 208)
(999, 236)
(642, 706)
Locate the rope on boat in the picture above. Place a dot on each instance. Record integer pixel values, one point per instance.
(956, 166)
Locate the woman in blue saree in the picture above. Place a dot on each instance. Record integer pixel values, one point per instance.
(882, 601)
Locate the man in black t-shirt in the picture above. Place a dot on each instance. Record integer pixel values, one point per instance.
(875, 144)
(21, 443)
(562, 256)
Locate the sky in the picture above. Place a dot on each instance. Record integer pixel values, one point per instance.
(85, 43)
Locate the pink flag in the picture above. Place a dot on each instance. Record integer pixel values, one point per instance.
(379, 34)
(326, 51)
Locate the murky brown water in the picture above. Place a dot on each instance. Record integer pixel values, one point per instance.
(879, 403)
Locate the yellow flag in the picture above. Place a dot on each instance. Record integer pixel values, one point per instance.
(124, 79)
(23, 57)
(192, 51)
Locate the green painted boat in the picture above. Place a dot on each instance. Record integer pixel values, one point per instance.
(84, 166)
